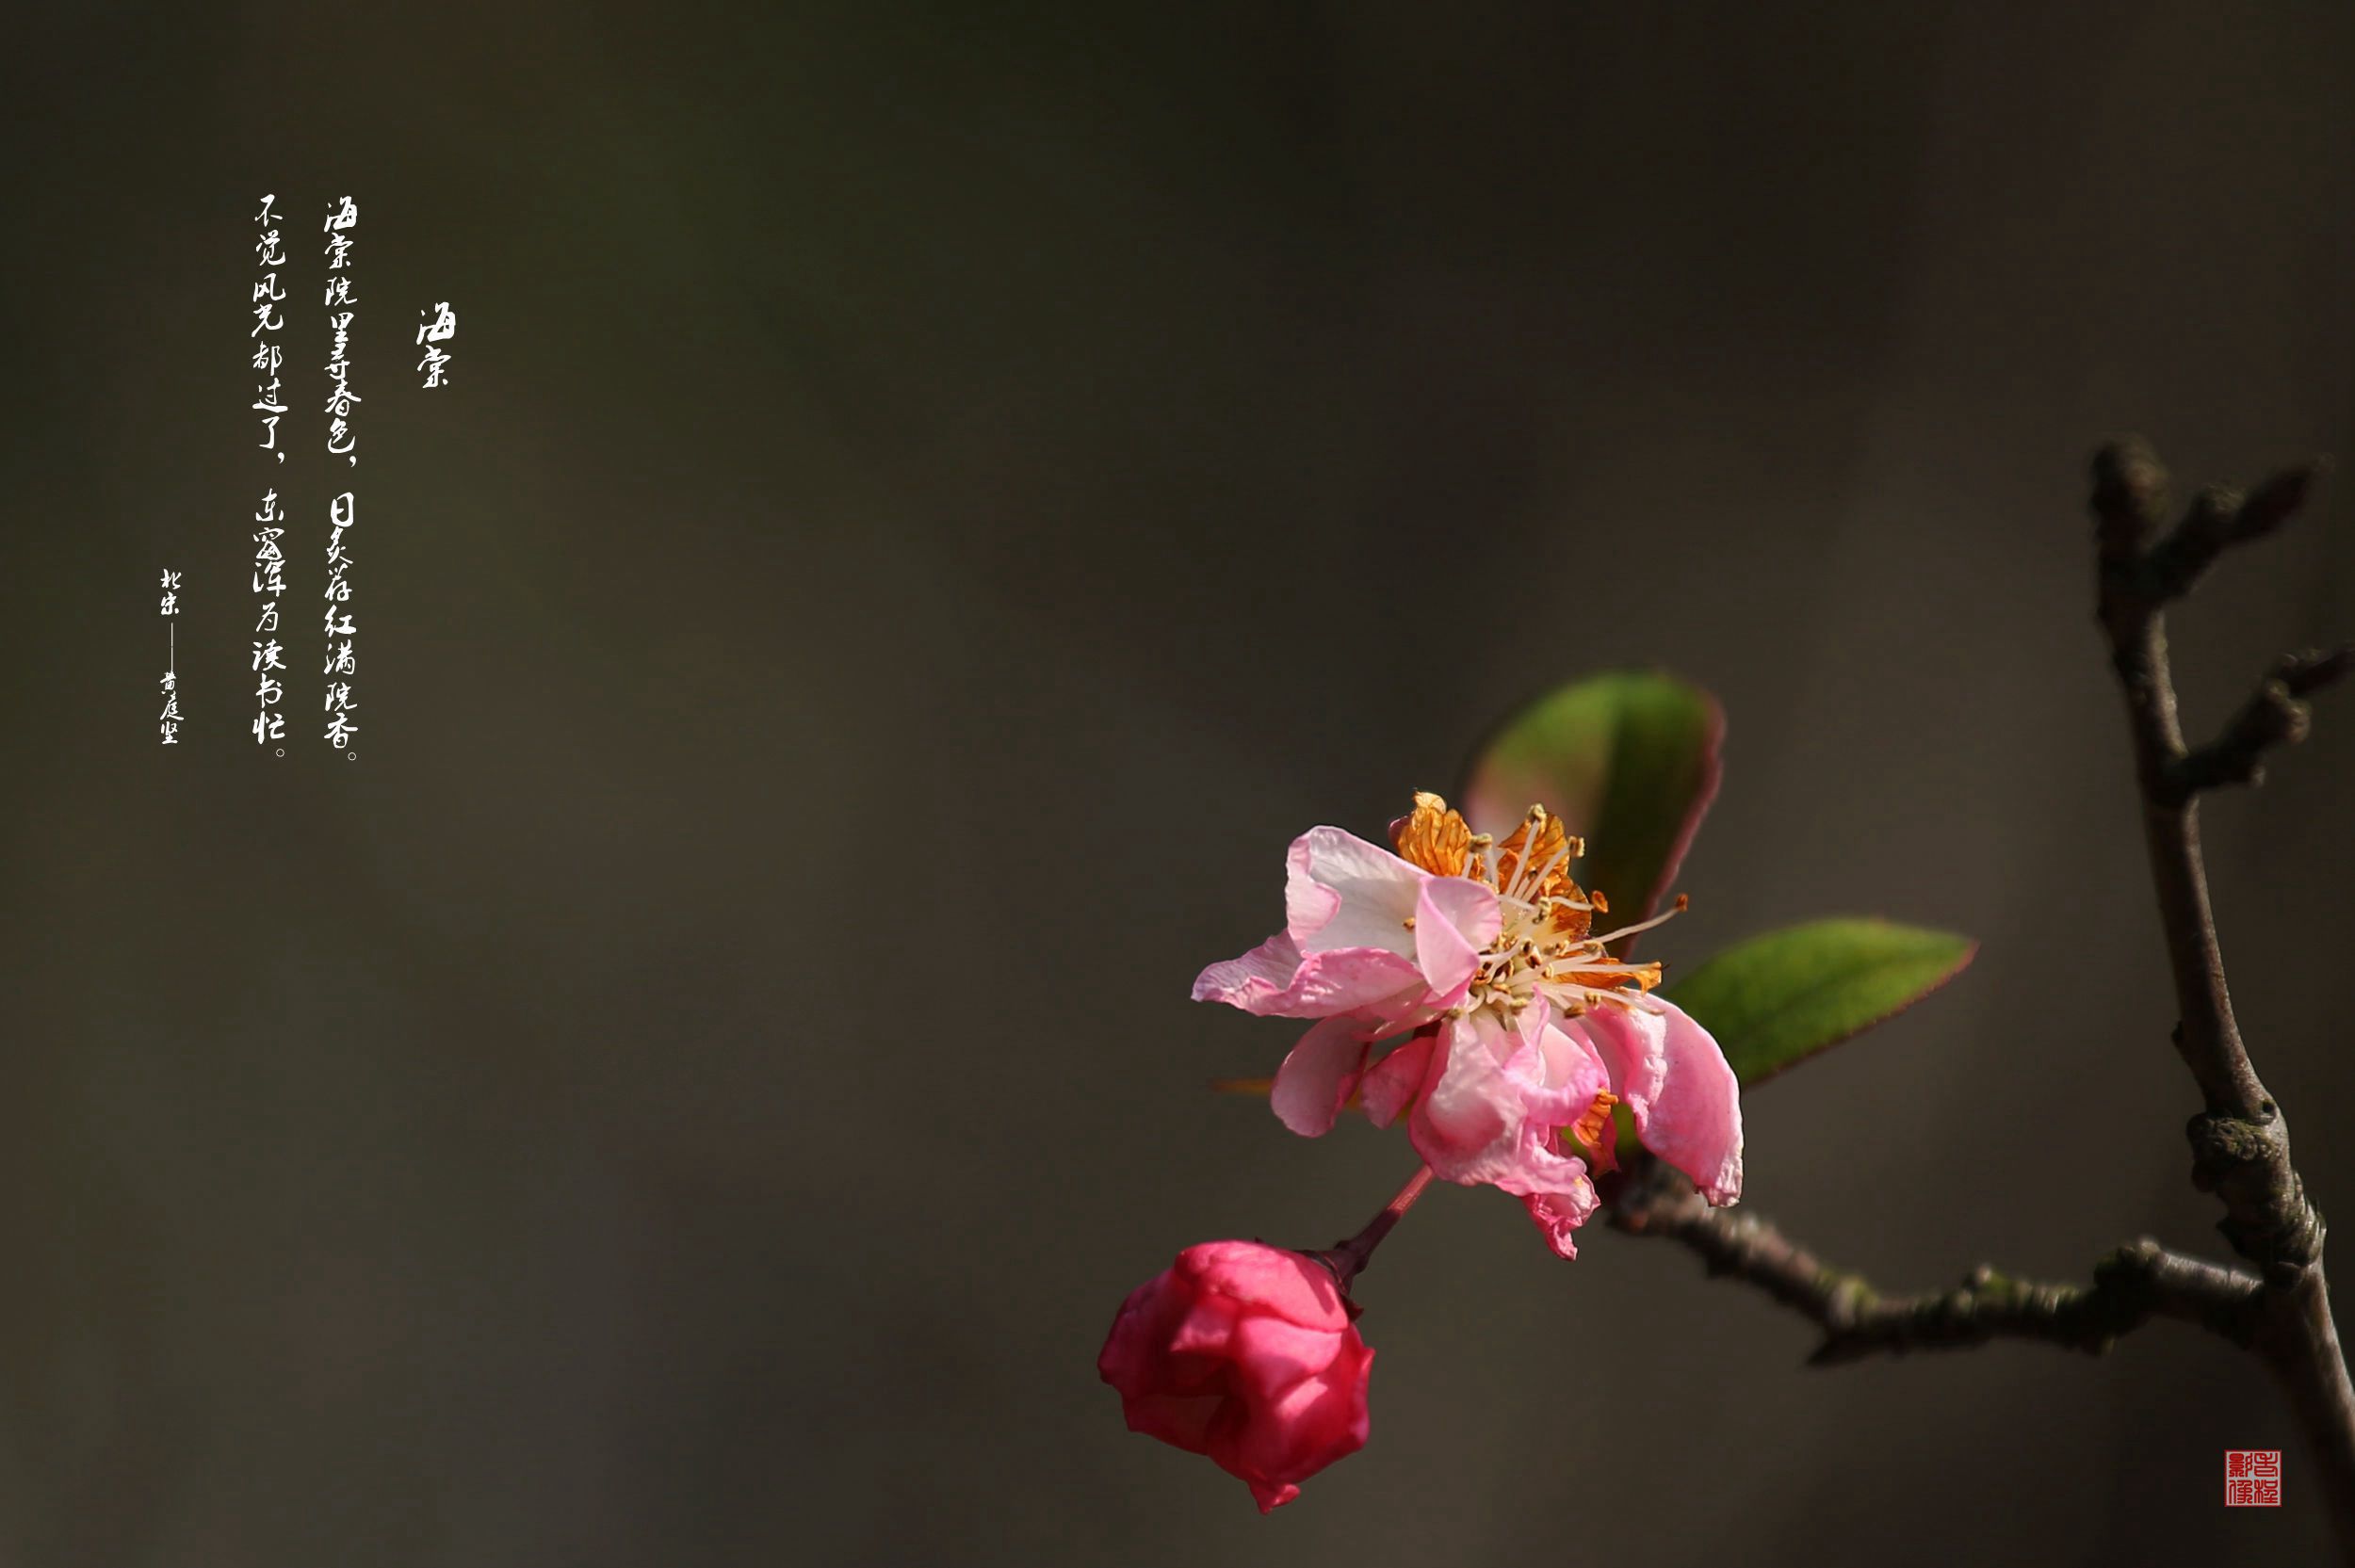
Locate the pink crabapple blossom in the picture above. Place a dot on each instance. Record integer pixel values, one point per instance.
(1523, 1031)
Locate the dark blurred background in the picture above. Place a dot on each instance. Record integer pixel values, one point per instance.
(930, 502)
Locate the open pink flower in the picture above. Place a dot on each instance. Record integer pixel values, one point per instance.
(1526, 1031)
(1246, 1353)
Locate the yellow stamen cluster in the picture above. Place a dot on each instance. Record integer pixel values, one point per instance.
(1546, 946)
(1434, 837)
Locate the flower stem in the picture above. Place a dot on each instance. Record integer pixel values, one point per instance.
(1349, 1258)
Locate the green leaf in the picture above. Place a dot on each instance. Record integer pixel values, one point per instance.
(1778, 999)
(1629, 761)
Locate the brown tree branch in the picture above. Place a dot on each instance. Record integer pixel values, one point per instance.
(2218, 519)
(2240, 1143)
(2138, 1281)
(2273, 715)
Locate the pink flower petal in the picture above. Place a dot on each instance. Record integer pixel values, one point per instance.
(1341, 891)
(1316, 985)
(1454, 918)
(1319, 1074)
(1264, 971)
(1677, 1085)
(1181, 1419)
(1558, 1215)
(1490, 1118)
(1317, 1420)
(1393, 1082)
(1269, 1279)
(1560, 1072)
(1204, 1330)
(1274, 1355)
(1271, 1497)
(1470, 1110)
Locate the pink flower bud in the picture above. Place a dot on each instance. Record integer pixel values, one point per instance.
(1246, 1353)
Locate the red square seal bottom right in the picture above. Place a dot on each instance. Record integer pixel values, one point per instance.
(2252, 1478)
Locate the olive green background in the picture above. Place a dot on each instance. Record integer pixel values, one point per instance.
(931, 501)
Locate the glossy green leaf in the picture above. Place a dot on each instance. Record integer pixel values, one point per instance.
(1778, 999)
(1629, 761)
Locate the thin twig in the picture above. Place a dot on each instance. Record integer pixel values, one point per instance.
(2138, 581)
(2273, 715)
(2218, 518)
(2241, 1144)
(2134, 1283)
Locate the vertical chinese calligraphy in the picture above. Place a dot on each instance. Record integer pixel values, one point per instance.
(272, 652)
(269, 582)
(269, 562)
(341, 661)
(439, 331)
(169, 721)
(267, 354)
(342, 217)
